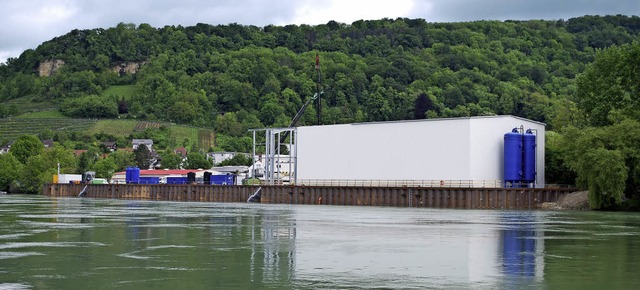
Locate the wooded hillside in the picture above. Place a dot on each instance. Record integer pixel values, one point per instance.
(569, 74)
(233, 77)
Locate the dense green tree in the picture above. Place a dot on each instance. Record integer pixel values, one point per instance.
(87, 159)
(6, 111)
(237, 160)
(104, 168)
(91, 106)
(609, 88)
(234, 77)
(170, 160)
(123, 107)
(194, 74)
(143, 156)
(122, 159)
(26, 146)
(196, 160)
(39, 169)
(606, 161)
(556, 170)
(46, 134)
(10, 168)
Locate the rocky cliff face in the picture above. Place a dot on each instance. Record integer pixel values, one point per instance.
(128, 67)
(49, 67)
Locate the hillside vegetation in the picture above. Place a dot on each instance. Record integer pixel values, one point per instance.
(231, 78)
(371, 70)
(11, 128)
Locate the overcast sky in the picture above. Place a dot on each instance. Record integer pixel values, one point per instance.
(25, 24)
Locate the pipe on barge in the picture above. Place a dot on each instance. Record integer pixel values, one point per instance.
(426, 197)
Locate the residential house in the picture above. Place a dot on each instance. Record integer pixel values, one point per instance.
(220, 156)
(47, 143)
(112, 146)
(137, 142)
(5, 149)
(181, 151)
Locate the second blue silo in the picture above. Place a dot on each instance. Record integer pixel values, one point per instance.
(529, 157)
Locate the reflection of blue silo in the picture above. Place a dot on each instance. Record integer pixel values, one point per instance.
(513, 157)
(519, 248)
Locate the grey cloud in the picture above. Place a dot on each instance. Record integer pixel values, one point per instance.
(18, 32)
(470, 10)
(18, 35)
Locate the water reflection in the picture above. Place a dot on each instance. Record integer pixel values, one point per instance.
(522, 248)
(66, 243)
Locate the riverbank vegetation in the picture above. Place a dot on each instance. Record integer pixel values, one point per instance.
(579, 76)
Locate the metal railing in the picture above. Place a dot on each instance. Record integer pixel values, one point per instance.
(403, 183)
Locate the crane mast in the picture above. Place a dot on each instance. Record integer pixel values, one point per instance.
(316, 96)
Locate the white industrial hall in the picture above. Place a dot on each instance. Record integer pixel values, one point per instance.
(465, 151)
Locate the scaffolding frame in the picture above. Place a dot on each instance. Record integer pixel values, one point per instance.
(273, 159)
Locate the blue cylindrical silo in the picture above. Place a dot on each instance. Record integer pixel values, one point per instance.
(135, 175)
(513, 157)
(128, 174)
(529, 157)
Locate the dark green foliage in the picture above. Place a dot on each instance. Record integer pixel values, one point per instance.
(237, 160)
(122, 159)
(104, 168)
(371, 70)
(10, 169)
(196, 160)
(423, 104)
(606, 160)
(87, 159)
(40, 168)
(6, 111)
(235, 77)
(556, 170)
(123, 108)
(26, 146)
(609, 89)
(91, 106)
(170, 160)
(143, 157)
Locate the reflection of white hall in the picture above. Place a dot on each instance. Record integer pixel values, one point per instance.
(445, 247)
(272, 246)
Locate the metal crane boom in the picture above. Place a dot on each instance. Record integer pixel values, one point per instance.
(316, 96)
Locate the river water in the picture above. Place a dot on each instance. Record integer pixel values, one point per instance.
(76, 243)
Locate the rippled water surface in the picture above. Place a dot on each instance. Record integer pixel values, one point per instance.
(75, 243)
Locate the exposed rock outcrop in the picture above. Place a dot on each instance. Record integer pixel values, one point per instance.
(128, 67)
(574, 201)
(49, 67)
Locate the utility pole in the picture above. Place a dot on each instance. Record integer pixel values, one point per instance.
(318, 88)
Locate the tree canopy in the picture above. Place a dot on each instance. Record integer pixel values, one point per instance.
(579, 76)
(372, 70)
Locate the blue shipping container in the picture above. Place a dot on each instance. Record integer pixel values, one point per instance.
(149, 180)
(176, 180)
(222, 179)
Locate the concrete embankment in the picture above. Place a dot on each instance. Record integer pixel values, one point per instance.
(431, 197)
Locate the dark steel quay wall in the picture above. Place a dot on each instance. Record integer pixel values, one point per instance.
(428, 197)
